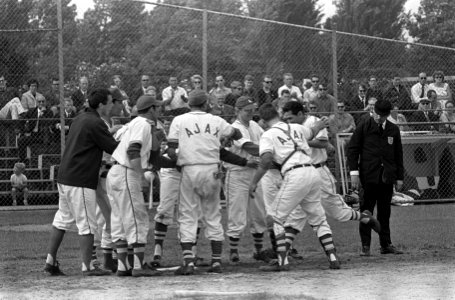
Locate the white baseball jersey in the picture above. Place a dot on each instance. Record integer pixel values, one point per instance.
(251, 134)
(281, 146)
(198, 134)
(318, 155)
(139, 130)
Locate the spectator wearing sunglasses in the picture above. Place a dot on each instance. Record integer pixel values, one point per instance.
(441, 88)
(343, 120)
(420, 89)
(373, 90)
(237, 90)
(327, 104)
(312, 93)
(267, 94)
(424, 115)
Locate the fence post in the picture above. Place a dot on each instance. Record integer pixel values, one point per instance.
(334, 62)
(204, 49)
(60, 75)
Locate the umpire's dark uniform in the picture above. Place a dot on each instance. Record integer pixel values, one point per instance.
(378, 156)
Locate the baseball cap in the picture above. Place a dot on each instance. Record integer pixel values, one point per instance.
(424, 100)
(197, 98)
(244, 101)
(147, 101)
(116, 95)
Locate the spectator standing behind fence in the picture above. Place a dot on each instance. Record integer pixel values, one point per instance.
(196, 82)
(266, 94)
(375, 160)
(68, 114)
(19, 183)
(174, 98)
(373, 90)
(327, 104)
(237, 90)
(357, 103)
(448, 116)
(344, 121)
(53, 96)
(29, 98)
(312, 93)
(420, 89)
(288, 85)
(424, 115)
(80, 96)
(117, 80)
(441, 88)
(141, 90)
(398, 119)
(249, 89)
(220, 90)
(398, 95)
(36, 130)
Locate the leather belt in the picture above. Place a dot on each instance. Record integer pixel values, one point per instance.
(298, 166)
(319, 165)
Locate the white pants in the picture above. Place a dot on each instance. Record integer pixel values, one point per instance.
(169, 195)
(103, 216)
(200, 191)
(129, 217)
(76, 205)
(241, 207)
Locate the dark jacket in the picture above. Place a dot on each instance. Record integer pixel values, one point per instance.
(136, 94)
(31, 117)
(399, 97)
(262, 96)
(370, 153)
(370, 93)
(79, 99)
(87, 139)
(355, 104)
(419, 116)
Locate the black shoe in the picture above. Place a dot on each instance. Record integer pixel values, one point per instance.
(367, 218)
(124, 273)
(187, 269)
(199, 262)
(390, 249)
(334, 262)
(156, 262)
(295, 254)
(54, 270)
(365, 251)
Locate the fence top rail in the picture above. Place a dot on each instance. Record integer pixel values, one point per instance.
(292, 25)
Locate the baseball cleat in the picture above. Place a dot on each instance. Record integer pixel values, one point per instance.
(234, 257)
(124, 273)
(199, 261)
(365, 251)
(367, 218)
(215, 268)
(390, 249)
(54, 270)
(96, 271)
(156, 262)
(145, 272)
(295, 254)
(185, 270)
(334, 263)
(274, 266)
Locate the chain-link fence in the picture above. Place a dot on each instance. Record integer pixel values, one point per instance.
(138, 46)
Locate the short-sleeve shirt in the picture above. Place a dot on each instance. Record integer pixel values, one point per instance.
(18, 179)
(318, 155)
(279, 143)
(177, 101)
(198, 134)
(250, 134)
(139, 130)
(293, 89)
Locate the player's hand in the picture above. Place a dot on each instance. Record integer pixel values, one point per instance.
(251, 163)
(322, 123)
(398, 185)
(252, 190)
(115, 128)
(355, 182)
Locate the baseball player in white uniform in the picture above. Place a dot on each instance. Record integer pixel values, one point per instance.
(241, 207)
(286, 145)
(129, 217)
(197, 135)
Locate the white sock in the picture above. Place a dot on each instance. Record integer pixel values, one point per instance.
(49, 259)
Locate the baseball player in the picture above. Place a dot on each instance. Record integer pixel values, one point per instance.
(286, 145)
(129, 217)
(198, 135)
(241, 207)
(77, 180)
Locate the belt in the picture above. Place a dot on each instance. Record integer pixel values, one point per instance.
(319, 165)
(297, 166)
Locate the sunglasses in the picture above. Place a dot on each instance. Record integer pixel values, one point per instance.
(423, 78)
(438, 77)
(312, 107)
(268, 81)
(145, 79)
(40, 101)
(220, 80)
(361, 91)
(198, 82)
(342, 106)
(425, 103)
(323, 89)
(314, 81)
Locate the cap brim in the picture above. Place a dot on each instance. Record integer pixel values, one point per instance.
(157, 103)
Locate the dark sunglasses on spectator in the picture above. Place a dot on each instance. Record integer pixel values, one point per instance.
(314, 80)
(323, 89)
(40, 101)
(425, 103)
(423, 78)
(197, 82)
(438, 76)
(312, 107)
(220, 80)
(267, 81)
(361, 91)
(340, 106)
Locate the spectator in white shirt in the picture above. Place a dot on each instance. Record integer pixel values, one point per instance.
(420, 89)
(288, 80)
(175, 98)
(311, 94)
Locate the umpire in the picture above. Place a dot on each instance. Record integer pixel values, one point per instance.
(375, 158)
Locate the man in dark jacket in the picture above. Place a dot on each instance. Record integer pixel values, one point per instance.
(77, 181)
(375, 159)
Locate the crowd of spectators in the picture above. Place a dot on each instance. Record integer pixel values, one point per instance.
(424, 107)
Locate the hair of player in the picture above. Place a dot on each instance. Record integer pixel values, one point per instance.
(294, 107)
(383, 107)
(268, 112)
(98, 96)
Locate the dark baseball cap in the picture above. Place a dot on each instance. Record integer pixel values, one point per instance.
(147, 101)
(116, 94)
(244, 101)
(197, 98)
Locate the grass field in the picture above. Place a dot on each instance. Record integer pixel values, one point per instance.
(424, 232)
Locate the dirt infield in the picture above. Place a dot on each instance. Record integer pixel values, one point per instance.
(425, 271)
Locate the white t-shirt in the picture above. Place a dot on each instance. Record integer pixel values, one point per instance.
(139, 130)
(198, 134)
(18, 180)
(293, 89)
(278, 143)
(318, 155)
(251, 134)
(177, 101)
